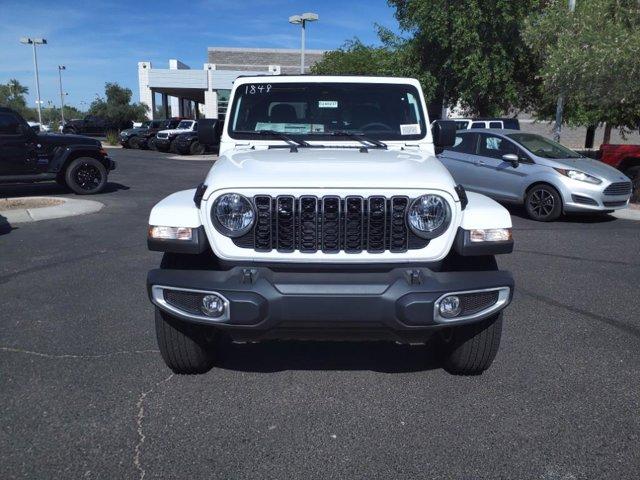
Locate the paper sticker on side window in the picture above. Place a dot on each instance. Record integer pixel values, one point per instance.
(327, 104)
(410, 129)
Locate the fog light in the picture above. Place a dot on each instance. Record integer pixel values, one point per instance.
(212, 306)
(450, 306)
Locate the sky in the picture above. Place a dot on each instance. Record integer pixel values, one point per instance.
(100, 41)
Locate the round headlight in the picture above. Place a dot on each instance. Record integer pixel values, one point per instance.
(233, 214)
(429, 216)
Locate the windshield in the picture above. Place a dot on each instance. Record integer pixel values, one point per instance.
(185, 124)
(317, 110)
(543, 147)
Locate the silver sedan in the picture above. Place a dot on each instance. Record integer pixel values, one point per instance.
(549, 179)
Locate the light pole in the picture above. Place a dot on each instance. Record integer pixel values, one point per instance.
(560, 104)
(302, 20)
(60, 68)
(33, 42)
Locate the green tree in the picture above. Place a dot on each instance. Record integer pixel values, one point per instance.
(392, 59)
(473, 50)
(12, 95)
(117, 106)
(592, 57)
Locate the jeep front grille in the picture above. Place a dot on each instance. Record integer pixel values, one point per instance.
(331, 224)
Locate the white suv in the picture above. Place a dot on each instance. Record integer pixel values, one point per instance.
(165, 138)
(328, 216)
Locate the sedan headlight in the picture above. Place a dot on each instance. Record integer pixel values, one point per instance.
(578, 175)
(233, 214)
(429, 216)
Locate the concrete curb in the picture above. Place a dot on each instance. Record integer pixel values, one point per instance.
(106, 145)
(70, 208)
(629, 213)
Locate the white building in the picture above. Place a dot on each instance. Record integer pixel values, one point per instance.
(179, 91)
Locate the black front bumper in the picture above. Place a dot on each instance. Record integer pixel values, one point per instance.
(264, 303)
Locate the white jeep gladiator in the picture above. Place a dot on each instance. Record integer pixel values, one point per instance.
(328, 217)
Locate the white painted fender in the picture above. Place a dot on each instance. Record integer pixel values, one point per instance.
(482, 212)
(176, 210)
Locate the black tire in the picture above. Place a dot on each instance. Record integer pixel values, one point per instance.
(543, 203)
(634, 174)
(134, 142)
(172, 147)
(86, 176)
(151, 144)
(471, 349)
(185, 348)
(196, 148)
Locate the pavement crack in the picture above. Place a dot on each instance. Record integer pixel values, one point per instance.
(571, 257)
(139, 426)
(625, 327)
(75, 356)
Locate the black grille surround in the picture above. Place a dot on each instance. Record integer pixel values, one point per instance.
(331, 224)
(618, 188)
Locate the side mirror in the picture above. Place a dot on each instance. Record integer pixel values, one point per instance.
(444, 133)
(512, 158)
(209, 131)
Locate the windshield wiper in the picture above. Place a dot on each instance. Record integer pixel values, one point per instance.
(366, 141)
(291, 142)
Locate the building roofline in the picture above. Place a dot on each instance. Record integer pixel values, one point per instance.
(262, 50)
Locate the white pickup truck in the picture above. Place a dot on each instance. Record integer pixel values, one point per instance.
(328, 217)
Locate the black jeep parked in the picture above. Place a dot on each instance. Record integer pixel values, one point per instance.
(190, 143)
(27, 156)
(92, 125)
(148, 138)
(130, 138)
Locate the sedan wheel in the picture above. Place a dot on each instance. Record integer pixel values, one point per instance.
(543, 203)
(196, 148)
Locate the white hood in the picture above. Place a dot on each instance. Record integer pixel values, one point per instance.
(328, 168)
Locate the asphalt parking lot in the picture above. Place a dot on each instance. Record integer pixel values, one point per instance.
(85, 394)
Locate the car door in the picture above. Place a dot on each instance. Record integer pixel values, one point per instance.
(17, 148)
(460, 159)
(495, 177)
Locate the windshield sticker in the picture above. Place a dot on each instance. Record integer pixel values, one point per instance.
(257, 89)
(290, 127)
(410, 129)
(327, 104)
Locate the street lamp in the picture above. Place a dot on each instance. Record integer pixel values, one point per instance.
(60, 68)
(302, 20)
(34, 42)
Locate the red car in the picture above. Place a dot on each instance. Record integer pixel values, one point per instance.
(625, 158)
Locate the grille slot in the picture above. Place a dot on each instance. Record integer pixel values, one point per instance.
(352, 224)
(331, 213)
(615, 204)
(376, 233)
(308, 224)
(285, 223)
(619, 188)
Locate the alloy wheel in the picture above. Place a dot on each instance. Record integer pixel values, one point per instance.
(88, 176)
(541, 203)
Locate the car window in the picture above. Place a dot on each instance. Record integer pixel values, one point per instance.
(465, 143)
(477, 125)
(495, 147)
(543, 147)
(9, 124)
(461, 124)
(495, 124)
